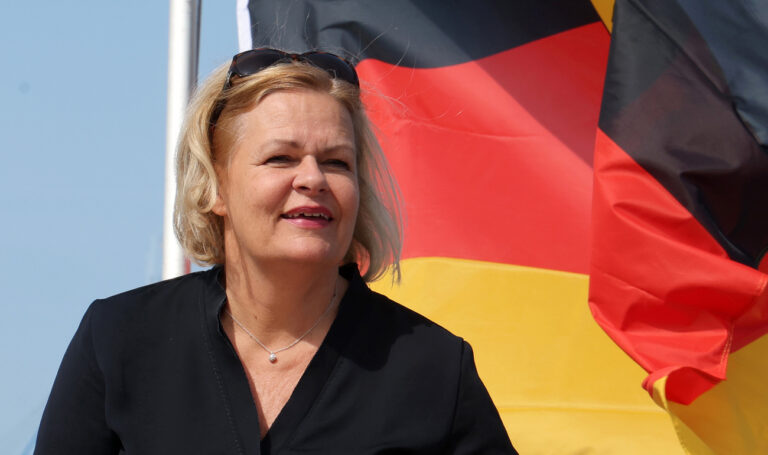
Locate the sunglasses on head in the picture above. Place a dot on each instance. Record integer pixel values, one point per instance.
(251, 62)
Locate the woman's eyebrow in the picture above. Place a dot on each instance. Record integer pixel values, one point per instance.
(343, 145)
(283, 143)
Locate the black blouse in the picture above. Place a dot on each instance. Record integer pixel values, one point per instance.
(151, 371)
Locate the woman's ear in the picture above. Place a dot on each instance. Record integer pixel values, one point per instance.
(220, 206)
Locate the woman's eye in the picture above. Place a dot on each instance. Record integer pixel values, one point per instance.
(278, 159)
(338, 163)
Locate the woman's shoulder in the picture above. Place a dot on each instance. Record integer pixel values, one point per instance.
(401, 317)
(180, 290)
(152, 310)
(390, 333)
(184, 284)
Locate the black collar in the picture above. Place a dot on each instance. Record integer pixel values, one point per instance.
(233, 381)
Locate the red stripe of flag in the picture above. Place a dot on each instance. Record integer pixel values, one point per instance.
(494, 156)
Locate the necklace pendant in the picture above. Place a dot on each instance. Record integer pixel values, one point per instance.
(272, 357)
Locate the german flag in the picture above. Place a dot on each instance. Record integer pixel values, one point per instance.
(678, 275)
(487, 112)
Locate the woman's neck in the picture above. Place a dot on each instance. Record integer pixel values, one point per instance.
(278, 302)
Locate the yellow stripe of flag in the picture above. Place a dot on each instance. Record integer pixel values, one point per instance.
(561, 385)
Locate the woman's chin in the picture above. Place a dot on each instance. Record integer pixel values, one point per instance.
(313, 254)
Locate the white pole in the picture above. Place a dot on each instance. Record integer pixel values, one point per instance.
(183, 47)
(244, 40)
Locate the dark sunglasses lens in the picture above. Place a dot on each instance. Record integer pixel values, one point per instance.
(334, 65)
(253, 61)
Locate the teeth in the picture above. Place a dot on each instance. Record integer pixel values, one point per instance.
(307, 215)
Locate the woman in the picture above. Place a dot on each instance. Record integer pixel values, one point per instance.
(281, 347)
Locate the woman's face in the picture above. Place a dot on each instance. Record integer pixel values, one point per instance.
(289, 188)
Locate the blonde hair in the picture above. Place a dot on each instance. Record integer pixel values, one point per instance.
(377, 239)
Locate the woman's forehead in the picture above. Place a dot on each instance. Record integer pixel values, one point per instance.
(288, 118)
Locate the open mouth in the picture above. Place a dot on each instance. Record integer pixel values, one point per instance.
(307, 216)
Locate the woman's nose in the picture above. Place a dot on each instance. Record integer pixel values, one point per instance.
(309, 177)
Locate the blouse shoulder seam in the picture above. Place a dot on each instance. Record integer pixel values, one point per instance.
(219, 383)
(463, 348)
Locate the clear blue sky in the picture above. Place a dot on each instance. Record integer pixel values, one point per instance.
(82, 142)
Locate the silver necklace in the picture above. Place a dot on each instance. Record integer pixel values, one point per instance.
(273, 354)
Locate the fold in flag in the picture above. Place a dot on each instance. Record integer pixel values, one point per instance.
(487, 112)
(678, 274)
